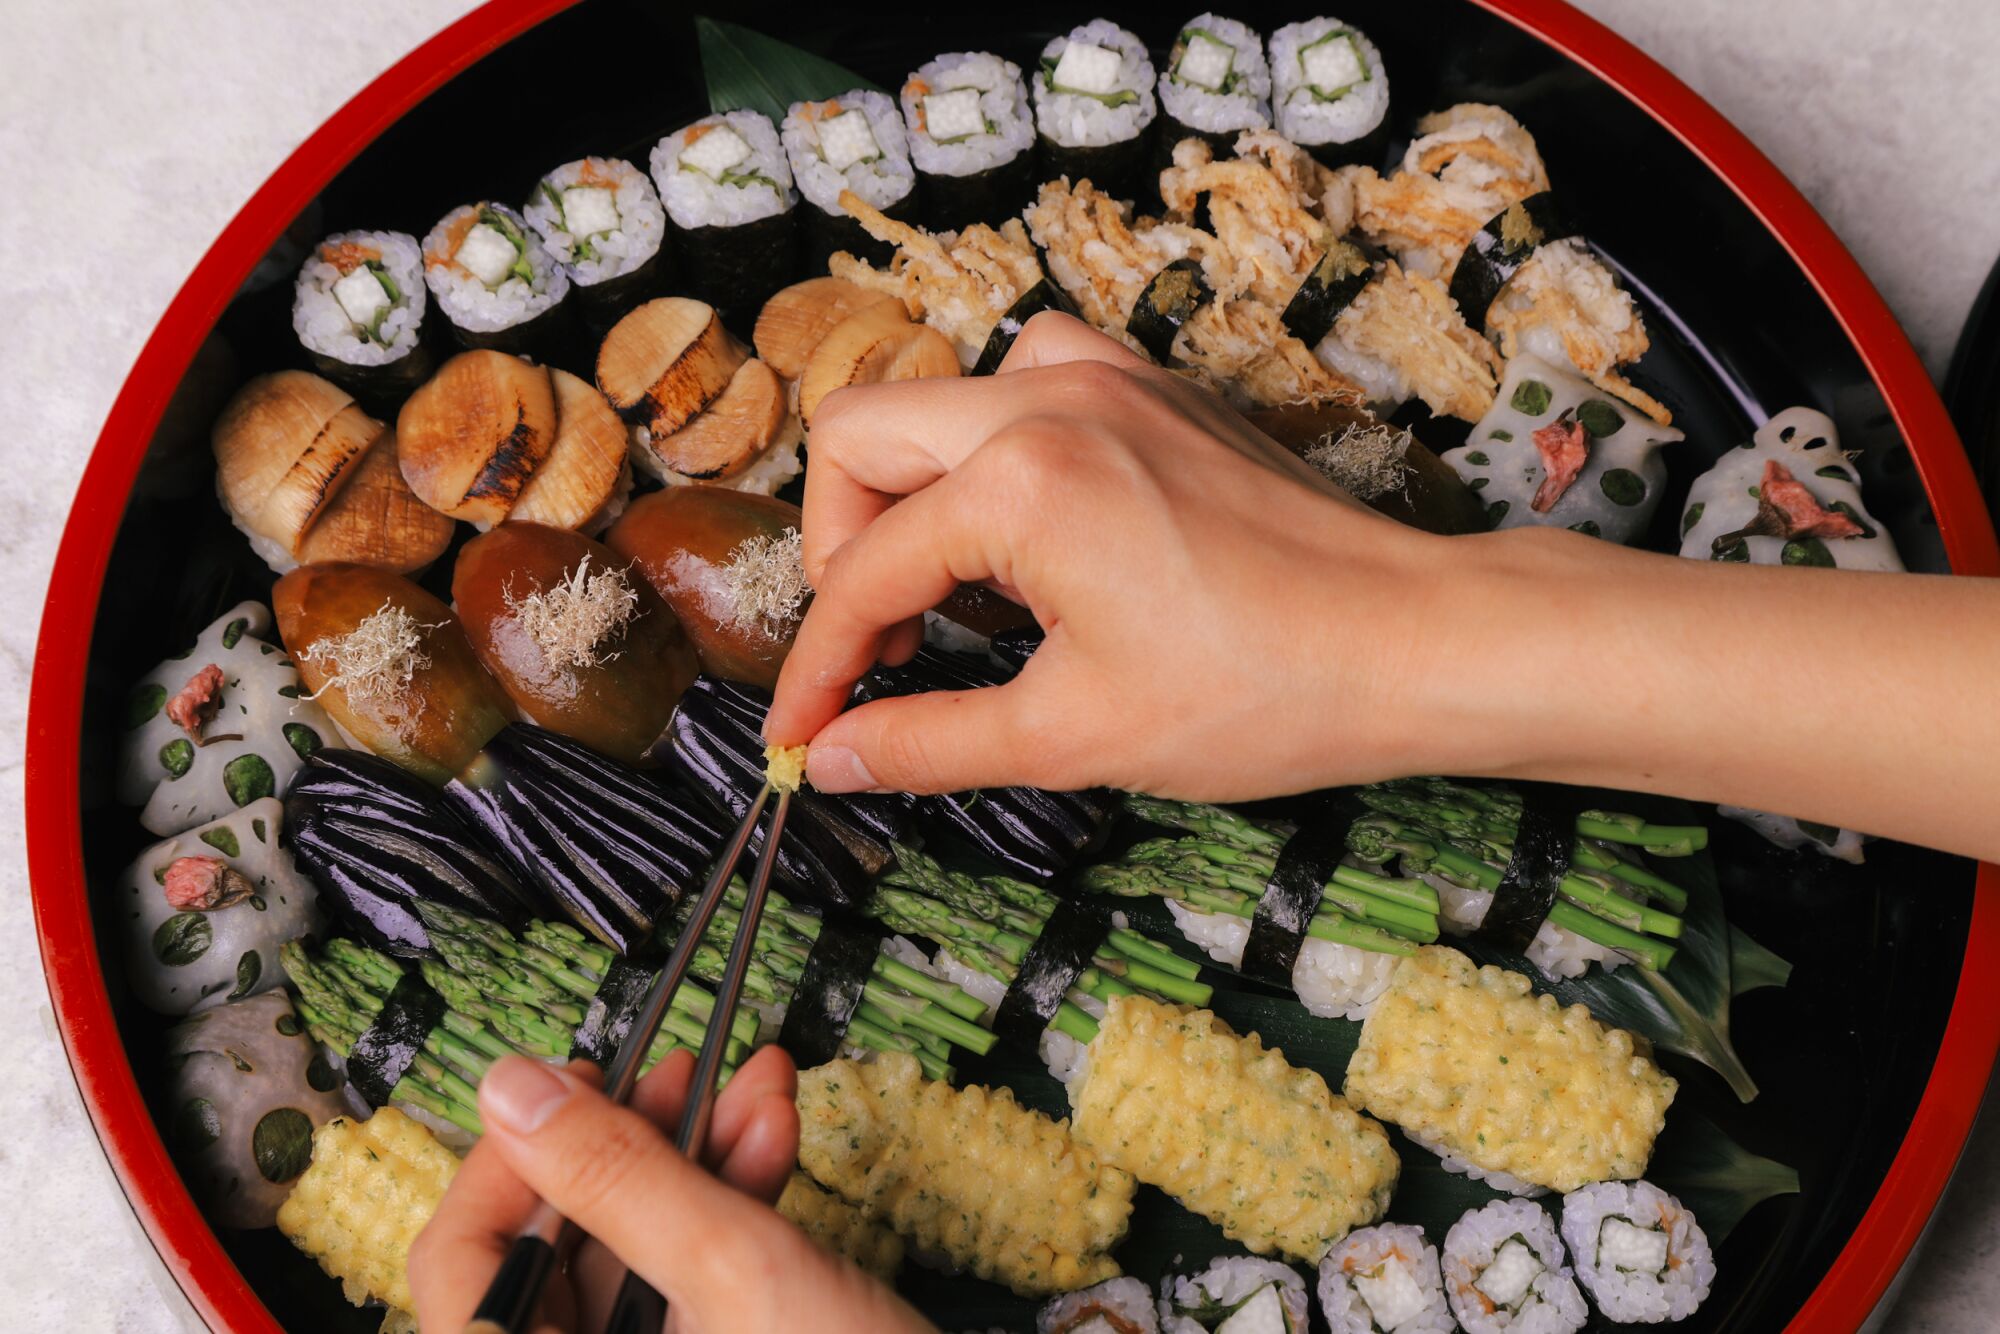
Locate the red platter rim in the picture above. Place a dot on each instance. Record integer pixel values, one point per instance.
(1851, 1288)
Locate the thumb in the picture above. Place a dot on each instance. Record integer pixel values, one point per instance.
(610, 1171)
(942, 741)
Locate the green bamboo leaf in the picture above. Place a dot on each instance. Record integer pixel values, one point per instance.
(1752, 966)
(746, 70)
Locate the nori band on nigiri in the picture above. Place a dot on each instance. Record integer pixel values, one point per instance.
(1336, 279)
(829, 991)
(387, 1048)
(1298, 882)
(612, 1010)
(1544, 841)
(737, 268)
(1044, 295)
(1170, 300)
(1498, 250)
(1050, 967)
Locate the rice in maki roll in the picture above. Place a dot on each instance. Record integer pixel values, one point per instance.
(1235, 1295)
(728, 192)
(851, 142)
(1115, 1306)
(1329, 91)
(359, 311)
(1094, 109)
(1384, 1278)
(1215, 82)
(494, 280)
(603, 222)
(971, 132)
(1639, 1251)
(1504, 1271)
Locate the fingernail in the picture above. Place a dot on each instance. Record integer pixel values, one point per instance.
(837, 769)
(519, 1094)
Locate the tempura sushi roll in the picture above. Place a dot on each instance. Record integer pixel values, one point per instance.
(1638, 1250)
(495, 281)
(1554, 451)
(358, 310)
(1504, 1271)
(1215, 83)
(728, 192)
(851, 142)
(1115, 1306)
(1094, 109)
(602, 220)
(1329, 92)
(1235, 1295)
(1383, 1280)
(972, 135)
(1791, 496)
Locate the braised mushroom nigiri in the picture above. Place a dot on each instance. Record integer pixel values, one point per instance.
(581, 644)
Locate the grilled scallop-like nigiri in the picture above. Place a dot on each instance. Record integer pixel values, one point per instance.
(307, 475)
(730, 434)
(585, 480)
(474, 433)
(665, 362)
(729, 565)
(391, 664)
(583, 646)
(798, 319)
(873, 345)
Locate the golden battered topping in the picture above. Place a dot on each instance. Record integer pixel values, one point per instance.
(572, 622)
(1264, 1150)
(1467, 1058)
(1100, 256)
(840, 1227)
(1517, 229)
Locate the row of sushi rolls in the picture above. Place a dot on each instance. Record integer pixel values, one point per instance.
(417, 814)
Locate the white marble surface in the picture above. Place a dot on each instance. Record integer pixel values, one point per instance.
(131, 131)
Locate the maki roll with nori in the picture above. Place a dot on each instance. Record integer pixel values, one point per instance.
(728, 192)
(1638, 1250)
(1235, 1295)
(1329, 92)
(359, 313)
(1094, 109)
(971, 132)
(1215, 83)
(1556, 452)
(1121, 1305)
(495, 281)
(603, 222)
(1504, 1271)
(1384, 1278)
(851, 142)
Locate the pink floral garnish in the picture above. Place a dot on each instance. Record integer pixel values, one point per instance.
(1565, 447)
(1785, 508)
(203, 884)
(197, 701)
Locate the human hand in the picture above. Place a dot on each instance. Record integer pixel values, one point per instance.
(1222, 623)
(704, 1235)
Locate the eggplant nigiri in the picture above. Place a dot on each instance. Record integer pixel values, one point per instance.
(582, 646)
(729, 565)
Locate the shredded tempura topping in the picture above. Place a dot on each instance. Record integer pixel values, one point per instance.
(377, 659)
(1363, 461)
(571, 621)
(766, 581)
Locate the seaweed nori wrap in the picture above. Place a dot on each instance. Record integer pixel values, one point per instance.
(1068, 941)
(1499, 249)
(1298, 881)
(388, 1047)
(1336, 279)
(1174, 296)
(1044, 295)
(1544, 841)
(829, 991)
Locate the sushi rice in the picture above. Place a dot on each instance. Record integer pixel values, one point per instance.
(599, 217)
(1334, 981)
(1215, 79)
(723, 171)
(1556, 952)
(360, 298)
(1639, 1251)
(1115, 1306)
(1384, 1280)
(1094, 87)
(1328, 84)
(1452, 1162)
(851, 142)
(766, 476)
(1235, 1295)
(1504, 1271)
(1066, 1058)
(489, 270)
(970, 134)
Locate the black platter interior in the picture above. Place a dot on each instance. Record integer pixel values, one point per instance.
(1842, 1054)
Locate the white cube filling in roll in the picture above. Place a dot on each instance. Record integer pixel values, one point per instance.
(1624, 1246)
(1513, 1271)
(1206, 62)
(846, 139)
(362, 296)
(1084, 68)
(1332, 65)
(487, 254)
(1383, 1280)
(590, 211)
(715, 152)
(954, 115)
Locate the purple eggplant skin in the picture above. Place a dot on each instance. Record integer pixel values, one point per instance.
(828, 855)
(1029, 832)
(614, 850)
(377, 841)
